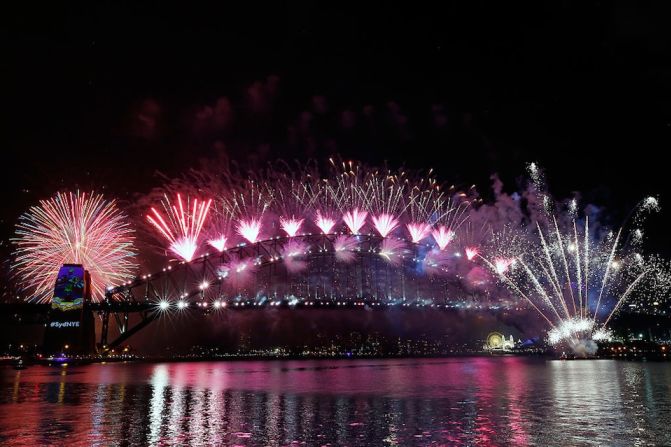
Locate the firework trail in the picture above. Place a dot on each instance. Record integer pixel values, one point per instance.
(385, 196)
(392, 251)
(293, 254)
(443, 236)
(73, 228)
(182, 226)
(218, 235)
(355, 220)
(238, 272)
(344, 248)
(435, 262)
(291, 225)
(574, 279)
(248, 207)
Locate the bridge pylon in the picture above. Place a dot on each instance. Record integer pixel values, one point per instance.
(70, 325)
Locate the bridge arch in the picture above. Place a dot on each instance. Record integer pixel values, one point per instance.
(370, 278)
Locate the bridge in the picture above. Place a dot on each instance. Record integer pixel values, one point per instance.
(262, 275)
(256, 276)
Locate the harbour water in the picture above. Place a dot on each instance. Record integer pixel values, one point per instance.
(456, 401)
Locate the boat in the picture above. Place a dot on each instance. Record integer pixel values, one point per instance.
(19, 364)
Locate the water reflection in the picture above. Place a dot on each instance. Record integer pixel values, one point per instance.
(474, 401)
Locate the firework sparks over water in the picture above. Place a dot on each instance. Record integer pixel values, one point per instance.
(76, 228)
(574, 278)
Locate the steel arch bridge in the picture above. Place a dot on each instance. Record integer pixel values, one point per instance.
(254, 276)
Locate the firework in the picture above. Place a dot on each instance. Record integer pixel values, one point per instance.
(220, 221)
(291, 225)
(247, 208)
(293, 253)
(501, 265)
(471, 252)
(385, 224)
(219, 242)
(324, 223)
(238, 272)
(355, 220)
(574, 280)
(183, 225)
(249, 229)
(443, 236)
(392, 251)
(435, 262)
(344, 247)
(418, 231)
(73, 228)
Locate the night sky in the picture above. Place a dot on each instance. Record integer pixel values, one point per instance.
(105, 96)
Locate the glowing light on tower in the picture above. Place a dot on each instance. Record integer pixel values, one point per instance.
(442, 236)
(385, 223)
(183, 225)
(249, 229)
(291, 226)
(73, 228)
(355, 219)
(418, 231)
(324, 223)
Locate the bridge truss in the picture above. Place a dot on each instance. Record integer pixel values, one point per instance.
(254, 276)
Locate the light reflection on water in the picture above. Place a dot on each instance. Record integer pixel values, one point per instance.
(465, 401)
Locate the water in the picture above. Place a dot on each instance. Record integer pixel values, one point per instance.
(460, 401)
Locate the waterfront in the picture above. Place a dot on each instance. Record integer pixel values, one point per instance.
(457, 401)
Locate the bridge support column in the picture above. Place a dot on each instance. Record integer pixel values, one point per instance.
(70, 327)
(105, 330)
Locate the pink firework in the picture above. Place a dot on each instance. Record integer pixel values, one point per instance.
(385, 223)
(183, 225)
(471, 252)
(418, 231)
(293, 253)
(502, 265)
(219, 243)
(249, 229)
(355, 219)
(435, 262)
(324, 223)
(392, 251)
(344, 247)
(238, 272)
(443, 236)
(73, 228)
(291, 225)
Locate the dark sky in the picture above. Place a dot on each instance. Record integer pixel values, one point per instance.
(103, 96)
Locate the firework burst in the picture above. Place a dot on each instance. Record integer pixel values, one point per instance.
(392, 251)
(344, 248)
(74, 228)
(293, 254)
(182, 226)
(575, 279)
